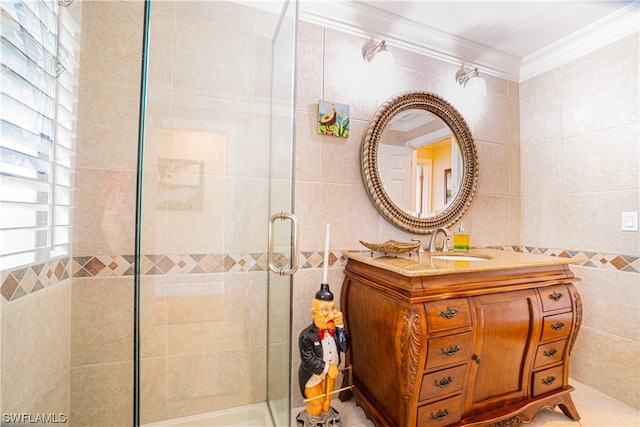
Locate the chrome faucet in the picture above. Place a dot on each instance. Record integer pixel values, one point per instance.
(432, 243)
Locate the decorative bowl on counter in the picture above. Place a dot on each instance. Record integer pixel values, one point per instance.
(392, 246)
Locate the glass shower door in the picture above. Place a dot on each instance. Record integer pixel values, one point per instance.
(217, 162)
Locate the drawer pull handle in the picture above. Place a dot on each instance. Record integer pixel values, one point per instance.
(449, 313)
(444, 382)
(451, 350)
(550, 353)
(557, 326)
(555, 296)
(440, 415)
(549, 380)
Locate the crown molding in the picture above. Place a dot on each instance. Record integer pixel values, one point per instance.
(359, 18)
(603, 32)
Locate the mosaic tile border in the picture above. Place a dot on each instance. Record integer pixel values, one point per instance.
(614, 262)
(26, 280)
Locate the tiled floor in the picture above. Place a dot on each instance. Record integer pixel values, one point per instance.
(595, 408)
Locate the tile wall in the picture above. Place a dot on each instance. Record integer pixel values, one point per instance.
(580, 170)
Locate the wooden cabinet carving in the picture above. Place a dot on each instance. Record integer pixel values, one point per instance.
(487, 347)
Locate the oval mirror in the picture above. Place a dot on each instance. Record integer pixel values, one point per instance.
(419, 162)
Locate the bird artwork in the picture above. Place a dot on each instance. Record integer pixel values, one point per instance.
(333, 119)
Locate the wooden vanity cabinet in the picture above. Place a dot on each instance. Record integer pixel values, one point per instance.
(475, 348)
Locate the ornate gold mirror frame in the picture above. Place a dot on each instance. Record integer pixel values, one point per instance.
(371, 175)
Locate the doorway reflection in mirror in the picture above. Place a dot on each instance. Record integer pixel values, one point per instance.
(416, 149)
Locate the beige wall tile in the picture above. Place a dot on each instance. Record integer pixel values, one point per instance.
(342, 208)
(590, 101)
(206, 381)
(540, 116)
(308, 164)
(515, 173)
(153, 317)
(102, 395)
(309, 67)
(246, 214)
(162, 44)
(101, 320)
(609, 363)
(309, 211)
(104, 212)
(611, 301)
(153, 389)
(118, 62)
(541, 166)
(35, 360)
(592, 222)
(339, 155)
(542, 221)
(108, 124)
(602, 160)
(198, 70)
(495, 165)
(484, 232)
(493, 122)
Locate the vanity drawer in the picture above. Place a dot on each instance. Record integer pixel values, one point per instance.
(547, 380)
(549, 353)
(555, 297)
(449, 314)
(556, 326)
(449, 350)
(442, 382)
(440, 414)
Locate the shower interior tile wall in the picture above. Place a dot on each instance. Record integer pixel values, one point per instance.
(538, 189)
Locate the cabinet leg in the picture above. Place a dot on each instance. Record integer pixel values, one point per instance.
(568, 408)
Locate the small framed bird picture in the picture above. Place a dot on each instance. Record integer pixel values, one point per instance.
(333, 119)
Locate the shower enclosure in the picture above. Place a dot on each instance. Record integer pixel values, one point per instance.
(147, 294)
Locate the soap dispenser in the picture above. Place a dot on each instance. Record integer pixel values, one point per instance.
(461, 239)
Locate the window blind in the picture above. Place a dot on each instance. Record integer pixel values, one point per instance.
(35, 149)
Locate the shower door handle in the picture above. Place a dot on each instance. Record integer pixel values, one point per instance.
(294, 248)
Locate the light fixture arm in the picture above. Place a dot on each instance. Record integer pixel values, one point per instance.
(463, 77)
(370, 52)
(472, 82)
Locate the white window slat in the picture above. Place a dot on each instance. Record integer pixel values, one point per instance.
(24, 240)
(16, 216)
(24, 117)
(19, 190)
(18, 139)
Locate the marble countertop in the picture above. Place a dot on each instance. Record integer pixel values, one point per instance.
(427, 264)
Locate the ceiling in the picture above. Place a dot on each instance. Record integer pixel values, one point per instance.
(511, 39)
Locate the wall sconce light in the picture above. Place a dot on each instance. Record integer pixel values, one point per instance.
(378, 55)
(472, 82)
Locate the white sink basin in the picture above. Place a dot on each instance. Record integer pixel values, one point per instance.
(460, 257)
